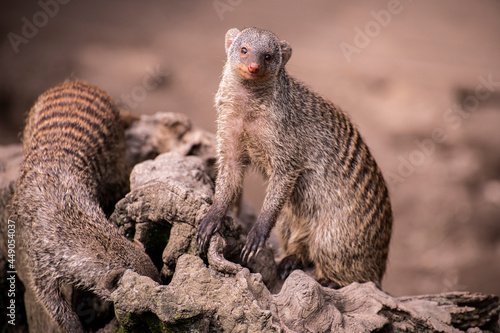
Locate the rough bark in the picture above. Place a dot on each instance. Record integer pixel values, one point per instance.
(202, 299)
(169, 132)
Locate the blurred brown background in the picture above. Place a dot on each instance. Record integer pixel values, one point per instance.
(421, 79)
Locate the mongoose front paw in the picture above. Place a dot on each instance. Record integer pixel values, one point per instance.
(255, 242)
(208, 226)
(287, 265)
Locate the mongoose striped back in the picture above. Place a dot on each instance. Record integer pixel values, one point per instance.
(78, 124)
(74, 166)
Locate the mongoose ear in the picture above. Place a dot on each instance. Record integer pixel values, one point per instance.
(231, 35)
(286, 52)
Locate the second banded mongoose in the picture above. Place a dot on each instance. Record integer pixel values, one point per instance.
(74, 165)
(325, 190)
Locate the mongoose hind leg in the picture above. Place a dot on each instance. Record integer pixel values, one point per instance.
(288, 264)
(329, 284)
(57, 306)
(294, 241)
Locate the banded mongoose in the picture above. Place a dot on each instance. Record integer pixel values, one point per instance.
(74, 165)
(325, 190)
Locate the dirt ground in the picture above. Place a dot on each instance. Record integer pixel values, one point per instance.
(421, 79)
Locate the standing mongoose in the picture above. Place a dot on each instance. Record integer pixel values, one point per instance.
(324, 187)
(74, 165)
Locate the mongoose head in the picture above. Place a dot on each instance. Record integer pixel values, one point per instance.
(256, 54)
(132, 256)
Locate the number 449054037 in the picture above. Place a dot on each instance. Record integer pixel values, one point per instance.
(11, 243)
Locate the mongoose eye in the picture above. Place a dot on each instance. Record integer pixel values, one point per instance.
(244, 50)
(268, 57)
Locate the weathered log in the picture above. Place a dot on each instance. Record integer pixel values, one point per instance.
(202, 299)
(224, 296)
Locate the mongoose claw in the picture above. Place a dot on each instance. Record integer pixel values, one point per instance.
(254, 244)
(208, 226)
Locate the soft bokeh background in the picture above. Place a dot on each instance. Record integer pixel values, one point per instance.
(421, 79)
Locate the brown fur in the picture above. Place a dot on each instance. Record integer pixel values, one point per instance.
(324, 187)
(74, 165)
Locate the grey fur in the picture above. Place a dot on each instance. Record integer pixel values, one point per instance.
(325, 190)
(74, 164)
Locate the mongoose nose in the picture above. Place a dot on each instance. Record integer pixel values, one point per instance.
(253, 68)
